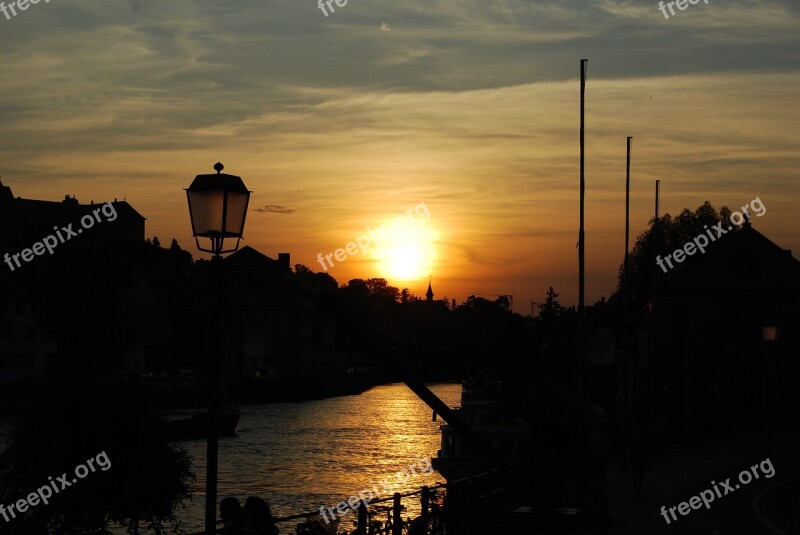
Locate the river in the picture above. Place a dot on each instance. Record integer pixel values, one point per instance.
(300, 456)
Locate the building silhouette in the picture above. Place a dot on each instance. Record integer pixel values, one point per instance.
(32, 314)
(705, 355)
(26, 221)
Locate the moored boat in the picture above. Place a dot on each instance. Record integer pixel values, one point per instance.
(497, 423)
(196, 426)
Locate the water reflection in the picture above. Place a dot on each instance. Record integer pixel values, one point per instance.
(300, 456)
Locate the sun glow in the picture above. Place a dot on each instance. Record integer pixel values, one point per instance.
(406, 252)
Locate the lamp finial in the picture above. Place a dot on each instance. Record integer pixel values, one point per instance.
(218, 167)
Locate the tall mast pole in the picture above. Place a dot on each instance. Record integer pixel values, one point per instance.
(581, 251)
(654, 329)
(625, 390)
(658, 184)
(627, 236)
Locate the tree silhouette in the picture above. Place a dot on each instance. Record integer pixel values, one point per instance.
(551, 309)
(379, 288)
(320, 281)
(65, 426)
(662, 237)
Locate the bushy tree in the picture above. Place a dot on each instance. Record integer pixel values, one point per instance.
(662, 237)
(380, 289)
(146, 480)
(551, 309)
(321, 281)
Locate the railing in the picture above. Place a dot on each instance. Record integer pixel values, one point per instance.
(456, 508)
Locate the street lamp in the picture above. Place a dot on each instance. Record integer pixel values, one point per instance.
(770, 333)
(217, 208)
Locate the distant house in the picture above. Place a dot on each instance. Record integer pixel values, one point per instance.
(273, 320)
(713, 319)
(25, 346)
(41, 319)
(25, 221)
(143, 332)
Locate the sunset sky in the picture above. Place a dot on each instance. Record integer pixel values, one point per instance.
(342, 123)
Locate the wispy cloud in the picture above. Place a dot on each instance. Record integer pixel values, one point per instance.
(468, 105)
(275, 209)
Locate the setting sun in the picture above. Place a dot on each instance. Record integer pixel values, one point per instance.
(406, 252)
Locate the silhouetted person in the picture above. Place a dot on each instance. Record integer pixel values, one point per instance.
(254, 519)
(625, 444)
(638, 458)
(600, 453)
(230, 510)
(259, 512)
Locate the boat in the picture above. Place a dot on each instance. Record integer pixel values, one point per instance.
(196, 426)
(505, 426)
(506, 432)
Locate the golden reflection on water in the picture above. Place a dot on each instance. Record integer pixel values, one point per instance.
(300, 456)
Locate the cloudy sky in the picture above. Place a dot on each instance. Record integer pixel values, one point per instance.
(340, 124)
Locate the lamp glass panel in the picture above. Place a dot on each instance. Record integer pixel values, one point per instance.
(206, 207)
(770, 333)
(237, 205)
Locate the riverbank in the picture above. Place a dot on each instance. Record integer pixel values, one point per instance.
(301, 456)
(312, 454)
(678, 472)
(188, 393)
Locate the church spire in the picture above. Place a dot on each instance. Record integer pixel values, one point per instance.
(429, 293)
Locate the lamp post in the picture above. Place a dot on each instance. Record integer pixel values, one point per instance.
(770, 335)
(217, 208)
